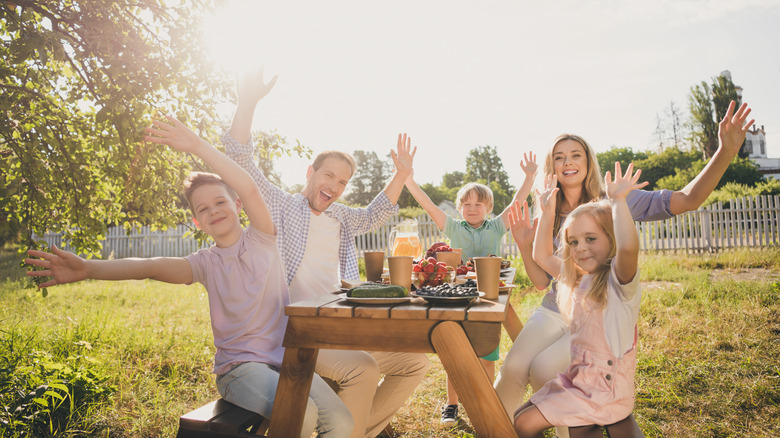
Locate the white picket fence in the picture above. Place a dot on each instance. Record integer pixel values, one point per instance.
(141, 242)
(749, 221)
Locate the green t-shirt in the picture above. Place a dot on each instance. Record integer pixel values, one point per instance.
(475, 242)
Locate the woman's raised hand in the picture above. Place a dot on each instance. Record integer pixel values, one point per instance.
(520, 224)
(546, 197)
(622, 185)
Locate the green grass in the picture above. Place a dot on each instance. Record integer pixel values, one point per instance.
(708, 361)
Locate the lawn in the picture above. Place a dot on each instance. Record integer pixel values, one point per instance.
(137, 354)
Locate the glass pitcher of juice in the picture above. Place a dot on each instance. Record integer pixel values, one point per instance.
(404, 240)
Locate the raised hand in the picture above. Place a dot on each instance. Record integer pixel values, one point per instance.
(403, 157)
(176, 135)
(732, 129)
(520, 224)
(251, 87)
(64, 267)
(546, 198)
(529, 167)
(622, 185)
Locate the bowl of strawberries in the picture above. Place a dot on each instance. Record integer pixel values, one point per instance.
(429, 272)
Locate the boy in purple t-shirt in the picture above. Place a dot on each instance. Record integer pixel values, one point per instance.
(242, 273)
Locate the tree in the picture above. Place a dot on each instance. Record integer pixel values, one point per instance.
(657, 166)
(453, 179)
(80, 80)
(369, 179)
(483, 165)
(625, 156)
(708, 104)
(273, 146)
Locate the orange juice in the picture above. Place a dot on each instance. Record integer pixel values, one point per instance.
(407, 246)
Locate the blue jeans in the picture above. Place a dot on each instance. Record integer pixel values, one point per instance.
(252, 386)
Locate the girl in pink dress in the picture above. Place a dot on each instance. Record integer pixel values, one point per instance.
(596, 268)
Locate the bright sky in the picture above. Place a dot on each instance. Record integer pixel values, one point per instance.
(511, 74)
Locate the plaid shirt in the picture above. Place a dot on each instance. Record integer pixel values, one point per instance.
(290, 213)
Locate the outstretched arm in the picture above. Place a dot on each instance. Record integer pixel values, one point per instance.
(403, 159)
(626, 238)
(250, 88)
(183, 139)
(731, 134)
(544, 250)
(529, 168)
(437, 214)
(523, 232)
(64, 267)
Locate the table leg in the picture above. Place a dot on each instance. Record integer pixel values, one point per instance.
(512, 324)
(292, 393)
(471, 382)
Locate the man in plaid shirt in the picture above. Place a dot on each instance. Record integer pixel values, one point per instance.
(317, 244)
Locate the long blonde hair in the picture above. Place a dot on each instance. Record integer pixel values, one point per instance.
(601, 212)
(593, 185)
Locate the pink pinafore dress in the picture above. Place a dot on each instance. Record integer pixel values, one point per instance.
(598, 387)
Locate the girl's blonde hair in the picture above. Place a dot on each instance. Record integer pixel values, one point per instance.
(593, 185)
(483, 193)
(601, 212)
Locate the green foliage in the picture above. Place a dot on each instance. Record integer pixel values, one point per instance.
(625, 156)
(657, 166)
(733, 190)
(80, 80)
(411, 212)
(708, 105)
(43, 394)
(370, 178)
(271, 146)
(453, 180)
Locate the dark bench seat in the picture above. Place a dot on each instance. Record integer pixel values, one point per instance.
(221, 419)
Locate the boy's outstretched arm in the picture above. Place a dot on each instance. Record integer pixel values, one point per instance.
(65, 267)
(250, 89)
(626, 238)
(403, 159)
(183, 139)
(529, 168)
(731, 133)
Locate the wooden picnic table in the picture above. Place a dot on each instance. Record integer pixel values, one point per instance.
(458, 334)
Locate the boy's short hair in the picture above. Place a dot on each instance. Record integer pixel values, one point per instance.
(483, 192)
(198, 179)
(347, 158)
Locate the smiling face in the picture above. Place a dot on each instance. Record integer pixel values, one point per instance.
(589, 245)
(570, 163)
(326, 184)
(216, 213)
(473, 210)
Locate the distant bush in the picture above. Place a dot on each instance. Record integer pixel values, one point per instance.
(735, 190)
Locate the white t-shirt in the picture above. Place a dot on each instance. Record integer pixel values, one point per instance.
(318, 273)
(621, 312)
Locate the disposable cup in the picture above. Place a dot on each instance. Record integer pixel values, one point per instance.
(450, 258)
(375, 263)
(400, 270)
(488, 275)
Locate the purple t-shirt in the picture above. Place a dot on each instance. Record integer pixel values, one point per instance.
(247, 295)
(645, 207)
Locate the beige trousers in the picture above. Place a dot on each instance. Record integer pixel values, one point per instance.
(372, 401)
